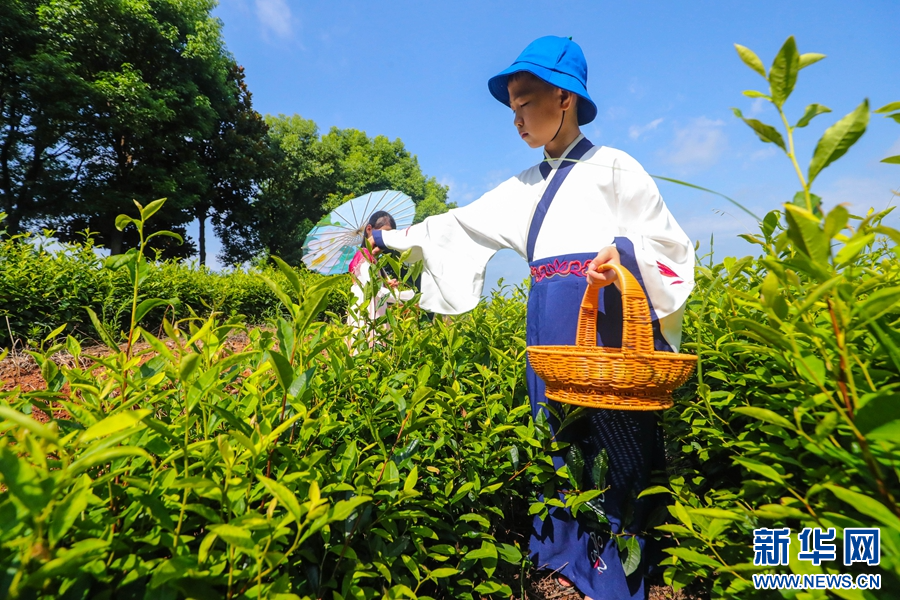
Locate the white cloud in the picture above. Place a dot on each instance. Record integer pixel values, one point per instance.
(759, 105)
(894, 150)
(635, 131)
(723, 226)
(461, 193)
(863, 193)
(275, 16)
(636, 88)
(616, 112)
(699, 145)
(768, 152)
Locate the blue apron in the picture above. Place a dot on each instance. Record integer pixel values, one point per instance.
(633, 440)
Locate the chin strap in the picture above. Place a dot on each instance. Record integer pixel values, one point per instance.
(561, 121)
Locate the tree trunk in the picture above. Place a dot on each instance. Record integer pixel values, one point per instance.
(202, 238)
(116, 240)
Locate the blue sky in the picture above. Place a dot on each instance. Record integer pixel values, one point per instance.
(663, 74)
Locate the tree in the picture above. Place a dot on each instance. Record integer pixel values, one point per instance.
(39, 97)
(107, 101)
(314, 175)
(236, 158)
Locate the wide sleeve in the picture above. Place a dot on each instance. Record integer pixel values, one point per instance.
(456, 246)
(663, 251)
(360, 276)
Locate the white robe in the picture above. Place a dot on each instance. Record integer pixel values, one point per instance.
(607, 194)
(360, 315)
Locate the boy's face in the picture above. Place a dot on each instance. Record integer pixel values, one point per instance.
(539, 108)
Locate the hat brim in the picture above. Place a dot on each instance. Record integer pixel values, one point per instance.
(587, 110)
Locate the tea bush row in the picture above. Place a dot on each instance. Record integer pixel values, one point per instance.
(41, 289)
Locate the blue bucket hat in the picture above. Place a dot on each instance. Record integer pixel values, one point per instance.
(557, 60)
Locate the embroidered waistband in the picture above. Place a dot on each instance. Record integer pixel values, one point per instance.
(561, 268)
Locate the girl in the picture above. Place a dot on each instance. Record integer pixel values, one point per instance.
(365, 311)
(583, 206)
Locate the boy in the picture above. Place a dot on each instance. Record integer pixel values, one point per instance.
(580, 208)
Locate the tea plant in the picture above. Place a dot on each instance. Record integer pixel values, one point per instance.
(794, 417)
(41, 289)
(293, 468)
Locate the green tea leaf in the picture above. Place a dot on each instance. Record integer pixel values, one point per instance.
(867, 506)
(38, 429)
(123, 221)
(656, 489)
(837, 139)
(342, 510)
(878, 304)
(758, 467)
(764, 414)
(765, 132)
(804, 229)
(151, 209)
(599, 468)
(487, 550)
(812, 111)
(810, 58)
(891, 107)
(716, 513)
(236, 536)
(633, 555)
(105, 336)
(443, 572)
(852, 248)
(189, 364)
(510, 553)
(836, 221)
(23, 482)
(783, 74)
(114, 423)
(68, 563)
(92, 459)
(750, 59)
(575, 463)
(679, 512)
(284, 372)
(692, 556)
(165, 233)
(284, 496)
(290, 274)
(879, 410)
(149, 304)
(888, 431)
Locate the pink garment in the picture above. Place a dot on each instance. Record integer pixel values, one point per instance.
(365, 311)
(360, 254)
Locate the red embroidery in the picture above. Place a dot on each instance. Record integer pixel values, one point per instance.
(562, 268)
(666, 271)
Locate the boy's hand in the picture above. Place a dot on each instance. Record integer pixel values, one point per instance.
(393, 283)
(370, 241)
(606, 256)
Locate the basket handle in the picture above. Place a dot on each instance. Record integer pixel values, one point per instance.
(637, 331)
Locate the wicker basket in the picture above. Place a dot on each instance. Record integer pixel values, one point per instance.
(634, 377)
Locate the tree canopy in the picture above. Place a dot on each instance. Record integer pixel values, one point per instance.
(108, 101)
(315, 174)
(103, 102)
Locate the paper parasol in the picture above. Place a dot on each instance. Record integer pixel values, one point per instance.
(333, 242)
